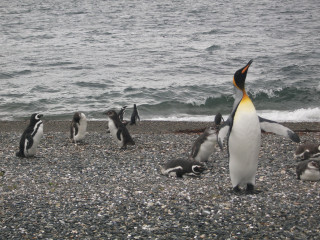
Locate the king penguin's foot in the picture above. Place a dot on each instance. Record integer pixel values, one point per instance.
(237, 190)
(250, 189)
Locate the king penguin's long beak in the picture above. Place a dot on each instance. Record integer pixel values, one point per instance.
(246, 67)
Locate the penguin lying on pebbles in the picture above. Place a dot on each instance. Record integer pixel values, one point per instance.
(78, 128)
(135, 115)
(243, 132)
(309, 170)
(31, 137)
(181, 167)
(118, 130)
(205, 144)
(307, 150)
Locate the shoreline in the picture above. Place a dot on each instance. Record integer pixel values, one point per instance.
(143, 127)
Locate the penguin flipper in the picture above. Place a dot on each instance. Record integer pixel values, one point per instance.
(274, 127)
(127, 137)
(223, 132)
(29, 142)
(119, 133)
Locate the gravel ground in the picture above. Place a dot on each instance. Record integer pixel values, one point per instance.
(94, 190)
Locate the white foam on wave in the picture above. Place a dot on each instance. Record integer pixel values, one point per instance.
(299, 115)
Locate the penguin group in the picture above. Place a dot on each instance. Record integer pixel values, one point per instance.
(241, 131)
(32, 135)
(202, 148)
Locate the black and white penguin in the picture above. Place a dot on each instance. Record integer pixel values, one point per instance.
(121, 113)
(118, 130)
(78, 128)
(308, 170)
(205, 144)
(31, 137)
(307, 151)
(243, 131)
(135, 115)
(182, 167)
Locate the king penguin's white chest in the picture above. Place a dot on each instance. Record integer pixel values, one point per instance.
(244, 142)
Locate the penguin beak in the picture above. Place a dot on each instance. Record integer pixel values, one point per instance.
(40, 115)
(245, 69)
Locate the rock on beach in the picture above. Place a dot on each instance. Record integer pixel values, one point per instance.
(94, 190)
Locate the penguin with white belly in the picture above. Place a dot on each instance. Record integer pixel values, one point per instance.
(308, 170)
(121, 114)
(78, 128)
(31, 137)
(205, 144)
(182, 167)
(243, 132)
(118, 130)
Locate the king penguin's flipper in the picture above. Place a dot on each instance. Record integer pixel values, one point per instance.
(223, 132)
(274, 127)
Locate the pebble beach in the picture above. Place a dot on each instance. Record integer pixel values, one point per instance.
(94, 190)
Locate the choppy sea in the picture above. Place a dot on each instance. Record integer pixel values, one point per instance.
(174, 59)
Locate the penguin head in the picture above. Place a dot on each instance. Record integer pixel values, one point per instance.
(313, 165)
(197, 168)
(35, 118)
(76, 117)
(112, 114)
(240, 76)
(217, 119)
(210, 130)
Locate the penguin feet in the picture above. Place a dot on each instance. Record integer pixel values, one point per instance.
(250, 189)
(236, 190)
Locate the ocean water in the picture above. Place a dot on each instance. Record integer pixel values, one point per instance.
(174, 59)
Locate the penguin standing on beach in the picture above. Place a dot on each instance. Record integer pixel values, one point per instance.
(308, 170)
(307, 150)
(78, 128)
(31, 137)
(118, 130)
(205, 144)
(181, 167)
(243, 132)
(121, 113)
(135, 115)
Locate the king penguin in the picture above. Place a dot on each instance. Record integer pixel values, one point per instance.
(243, 132)
(31, 137)
(118, 130)
(78, 128)
(205, 144)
